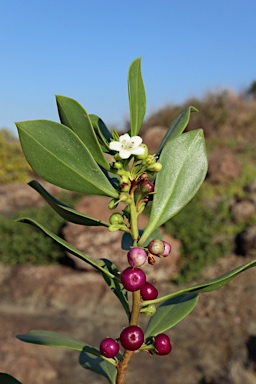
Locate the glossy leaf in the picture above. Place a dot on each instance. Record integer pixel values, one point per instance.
(101, 130)
(206, 286)
(57, 154)
(63, 210)
(74, 116)
(176, 127)
(137, 96)
(127, 243)
(8, 379)
(98, 365)
(169, 313)
(184, 161)
(115, 285)
(66, 246)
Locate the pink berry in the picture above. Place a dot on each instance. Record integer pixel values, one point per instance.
(109, 347)
(156, 247)
(162, 344)
(133, 279)
(132, 338)
(137, 257)
(148, 292)
(167, 249)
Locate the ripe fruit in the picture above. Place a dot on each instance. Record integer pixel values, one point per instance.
(109, 347)
(167, 249)
(133, 279)
(147, 186)
(162, 344)
(137, 257)
(148, 292)
(132, 338)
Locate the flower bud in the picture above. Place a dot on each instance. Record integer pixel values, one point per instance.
(150, 159)
(155, 167)
(125, 198)
(113, 204)
(156, 247)
(118, 165)
(136, 257)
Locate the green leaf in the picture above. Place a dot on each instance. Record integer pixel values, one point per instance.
(57, 154)
(184, 161)
(137, 96)
(176, 127)
(170, 313)
(66, 246)
(63, 210)
(74, 116)
(115, 285)
(8, 379)
(206, 286)
(98, 365)
(53, 339)
(127, 242)
(101, 130)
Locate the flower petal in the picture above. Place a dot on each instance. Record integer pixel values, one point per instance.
(124, 137)
(124, 154)
(138, 151)
(115, 145)
(136, 140)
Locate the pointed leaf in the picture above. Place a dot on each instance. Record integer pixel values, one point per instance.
(176, 127)
(74, 116)
(101, 130)
(206, 286)
(137, 96)
(57, 155)
(66, 246)
(98, 365)
(8, 379)
(115, 285)
(184, 161)
(170, 313)
(63, 210)
(53, 339)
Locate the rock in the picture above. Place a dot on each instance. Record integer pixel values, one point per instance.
(246, 242)
(223, 167)
(242, 210)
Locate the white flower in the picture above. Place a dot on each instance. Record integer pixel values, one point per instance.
(127, 146)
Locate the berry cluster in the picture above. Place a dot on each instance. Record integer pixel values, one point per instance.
(134, 279)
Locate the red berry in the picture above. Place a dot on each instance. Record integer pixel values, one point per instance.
(133, 279)
(162, 344)
(137, 257)
(109, 347)
(147, 186)
(156, 247)
(132, 338)
(148, 292)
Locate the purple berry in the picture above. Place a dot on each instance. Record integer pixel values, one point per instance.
(133, 279)
(167, 249)
(156, 247)
(137, 257)
(147, 186)
(163, 344)
(148, 292)
(132, 338)
(109, 347)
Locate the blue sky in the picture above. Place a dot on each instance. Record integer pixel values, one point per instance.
(82, 49)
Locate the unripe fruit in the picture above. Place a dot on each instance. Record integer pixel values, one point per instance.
(133, 279)
(162, 344)
(137, 257)
(147, 186)
(116, 218)
(167, 249)
(148, 291)
(149, 310)
(156, 247)
(132, 338)
(155, 167)
(109, 347)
